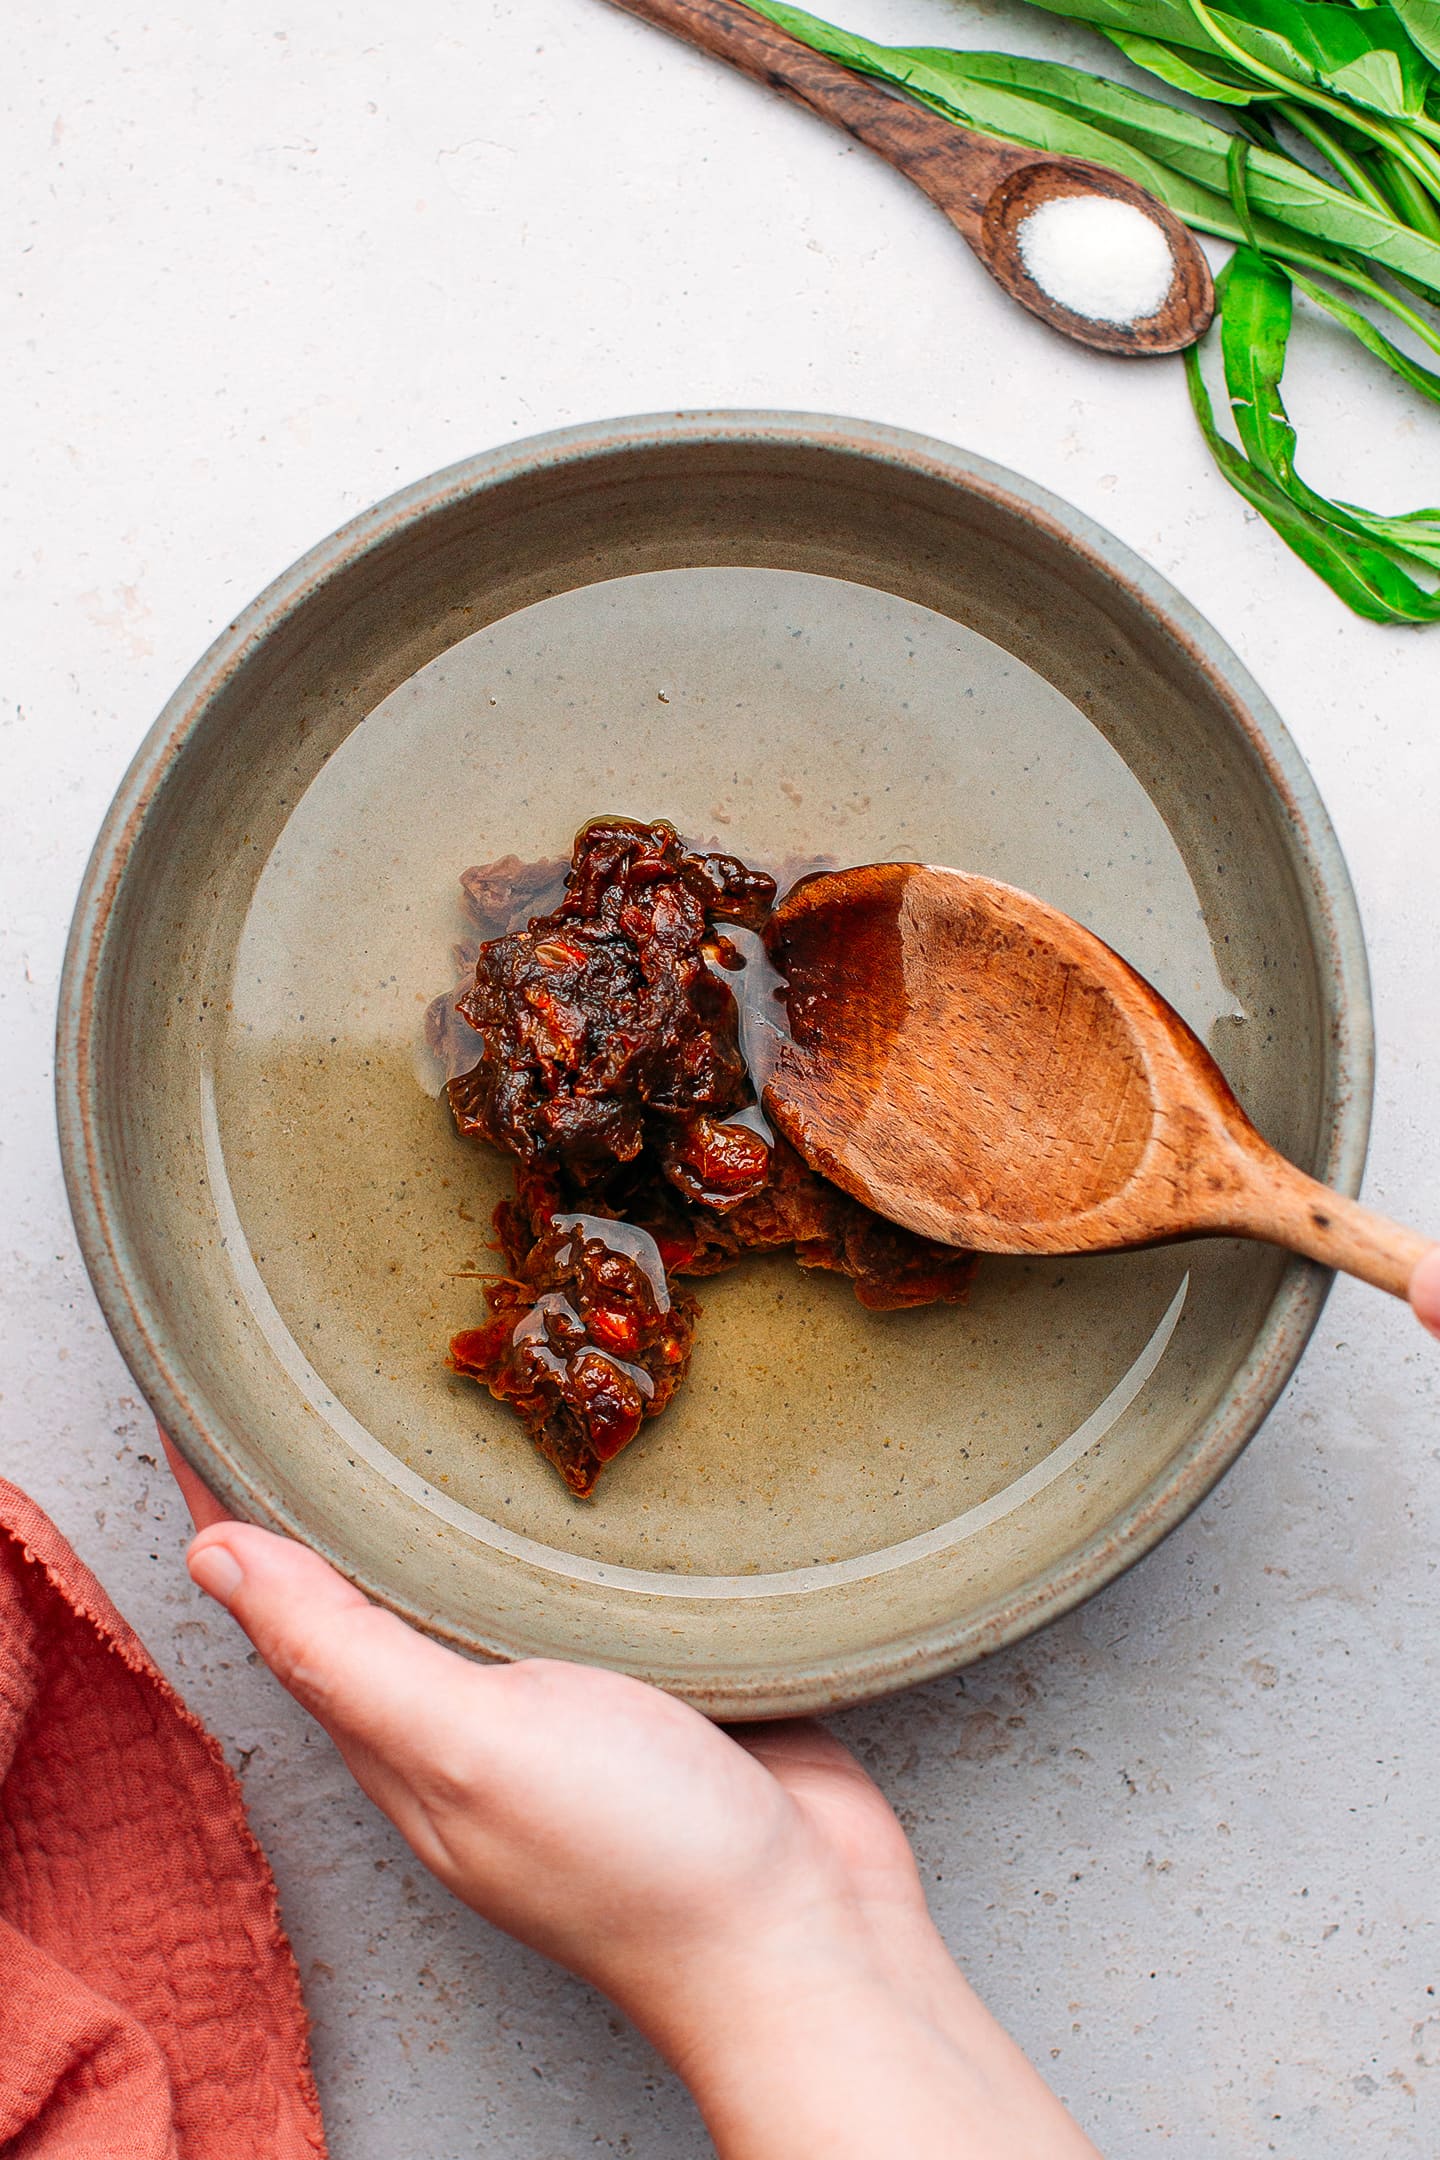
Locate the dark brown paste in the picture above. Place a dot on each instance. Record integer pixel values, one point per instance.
(603, 1042)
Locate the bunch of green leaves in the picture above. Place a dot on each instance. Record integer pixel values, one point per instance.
(1360, 86)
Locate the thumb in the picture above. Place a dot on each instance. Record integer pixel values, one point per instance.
(1425, 1290)
(372, 1682)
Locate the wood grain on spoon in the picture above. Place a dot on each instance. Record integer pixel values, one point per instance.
(978, 1067)
(987, 188)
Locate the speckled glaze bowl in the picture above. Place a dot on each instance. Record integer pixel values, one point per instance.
(801, 637)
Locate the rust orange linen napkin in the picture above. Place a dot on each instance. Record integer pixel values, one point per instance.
(149, 2003)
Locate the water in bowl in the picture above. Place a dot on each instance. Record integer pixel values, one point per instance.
(782, 716)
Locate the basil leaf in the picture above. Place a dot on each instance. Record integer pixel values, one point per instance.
(1364, 579)
(1421, 19)
(1377, 81)
(1184, 143)
(1360, 54)
(1000, 92)
(983, 98)
(1219, 82)
(1250, 191)
(1255, 321)
(1255, 314)
(1415, 533)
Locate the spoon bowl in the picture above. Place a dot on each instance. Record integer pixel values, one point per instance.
(1182, 316)
(978, 1067)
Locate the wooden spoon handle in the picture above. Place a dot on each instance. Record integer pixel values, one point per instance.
(957, 168)
(1288, 1208)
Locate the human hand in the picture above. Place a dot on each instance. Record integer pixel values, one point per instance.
(749, 1899)
(1425, 1290)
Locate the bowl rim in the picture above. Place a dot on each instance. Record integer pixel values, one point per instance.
(1329, 907)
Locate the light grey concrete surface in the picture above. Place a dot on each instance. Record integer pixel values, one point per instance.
(267, 264)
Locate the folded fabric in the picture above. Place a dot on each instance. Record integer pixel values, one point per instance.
(150, 2007)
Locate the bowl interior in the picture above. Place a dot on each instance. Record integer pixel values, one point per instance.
(795, 652)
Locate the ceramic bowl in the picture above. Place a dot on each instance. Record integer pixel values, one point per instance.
(800, 637)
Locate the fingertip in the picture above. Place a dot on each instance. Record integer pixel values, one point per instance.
(215, 1565)
(273, 1571)
(215, 1570)
(1425, 1291)
(352, 1664)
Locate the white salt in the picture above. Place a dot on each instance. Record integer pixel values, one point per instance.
(1100, 258)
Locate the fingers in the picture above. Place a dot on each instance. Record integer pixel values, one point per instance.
(204, 1507)
(368, 1677)
(356, 1668)
(1425, 1291)
(414, 1723)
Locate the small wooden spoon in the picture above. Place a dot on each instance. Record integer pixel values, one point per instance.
(985, 187)
(978, 1067)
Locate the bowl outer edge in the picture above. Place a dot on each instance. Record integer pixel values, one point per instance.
(1323, 877)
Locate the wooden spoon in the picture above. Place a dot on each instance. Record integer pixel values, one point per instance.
(978, 1067)
(985, 187)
